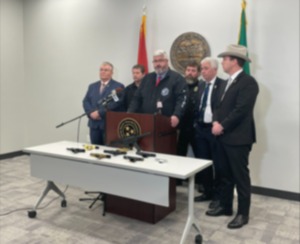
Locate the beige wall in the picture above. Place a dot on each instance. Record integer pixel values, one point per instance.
(65, 41)
(12, 89)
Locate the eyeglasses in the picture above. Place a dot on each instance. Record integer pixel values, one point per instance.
(158, 60)
(105, 70)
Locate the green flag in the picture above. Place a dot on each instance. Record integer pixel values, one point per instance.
(243, 34)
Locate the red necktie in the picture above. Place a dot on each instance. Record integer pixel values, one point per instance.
(157, 80)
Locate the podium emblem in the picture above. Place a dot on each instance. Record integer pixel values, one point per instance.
(128, 127)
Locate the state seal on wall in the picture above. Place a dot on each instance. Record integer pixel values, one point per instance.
(187, 47)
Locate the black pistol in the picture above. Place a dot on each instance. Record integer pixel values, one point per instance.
(145, 154)
(76, 150)
(100, 155)
(115, 152)
(133, 159)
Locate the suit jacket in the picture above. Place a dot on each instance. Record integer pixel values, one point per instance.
(93, 96)
(215, 95)
(235, 111)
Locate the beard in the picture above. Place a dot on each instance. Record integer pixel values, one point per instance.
(190, 80)
(159, 69)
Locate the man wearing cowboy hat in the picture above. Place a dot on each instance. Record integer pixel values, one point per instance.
(233, 125)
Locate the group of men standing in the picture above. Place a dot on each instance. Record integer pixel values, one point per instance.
(213, 116)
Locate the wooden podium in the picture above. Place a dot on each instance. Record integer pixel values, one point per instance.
(156, 135)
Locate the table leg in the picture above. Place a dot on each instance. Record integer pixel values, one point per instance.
(50, 186)
(191, 218)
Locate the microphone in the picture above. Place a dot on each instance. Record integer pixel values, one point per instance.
(114, 96)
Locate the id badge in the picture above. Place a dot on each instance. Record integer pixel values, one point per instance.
(159, 105)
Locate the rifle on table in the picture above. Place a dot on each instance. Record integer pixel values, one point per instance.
(130, 141)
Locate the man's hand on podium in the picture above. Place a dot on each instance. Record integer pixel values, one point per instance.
(174, 121)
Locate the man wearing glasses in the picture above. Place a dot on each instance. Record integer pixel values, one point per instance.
(162, 91)
(92, 102)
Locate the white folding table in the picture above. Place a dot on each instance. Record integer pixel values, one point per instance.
(115, 175)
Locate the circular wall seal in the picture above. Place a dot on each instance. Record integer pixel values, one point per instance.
(187, 47)
(128, 127)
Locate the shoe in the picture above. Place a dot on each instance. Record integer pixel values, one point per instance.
(202, 198)
(214, 204)
(200, 188)
(179, 182)
(219, 211)
(238, 221)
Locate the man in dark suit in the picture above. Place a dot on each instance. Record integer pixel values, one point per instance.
(186, 136)
(162, 91)
(138, 73)
(233, 125)
(93, 103)
(210, 92)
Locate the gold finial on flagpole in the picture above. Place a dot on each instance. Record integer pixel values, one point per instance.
(244, 4)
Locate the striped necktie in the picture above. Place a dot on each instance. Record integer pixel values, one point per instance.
(204, 102)
(102, 87)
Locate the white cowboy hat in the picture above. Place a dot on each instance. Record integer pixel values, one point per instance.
(236, 51)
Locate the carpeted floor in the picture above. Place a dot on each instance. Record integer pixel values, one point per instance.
(272, 220)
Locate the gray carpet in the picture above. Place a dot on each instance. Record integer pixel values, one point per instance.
(272, 220)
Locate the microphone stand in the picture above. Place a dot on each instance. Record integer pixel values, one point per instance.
(103, 103)
(71, 120)
(79, 117)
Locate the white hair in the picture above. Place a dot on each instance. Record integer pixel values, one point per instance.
(161, 53)
(109, 64)
(212, 61)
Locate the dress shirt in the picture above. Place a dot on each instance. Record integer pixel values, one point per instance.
(208, 112)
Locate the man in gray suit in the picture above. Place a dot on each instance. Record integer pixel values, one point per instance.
(233, 125)
(210, 92)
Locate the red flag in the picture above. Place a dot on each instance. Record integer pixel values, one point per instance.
(142, 52)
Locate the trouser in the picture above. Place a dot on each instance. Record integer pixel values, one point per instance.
(235, 172)
(206, 149)
(97, 136)
(185, 138)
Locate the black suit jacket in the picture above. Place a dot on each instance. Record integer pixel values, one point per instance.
(216, 93)
(235, 111)
(171, 91)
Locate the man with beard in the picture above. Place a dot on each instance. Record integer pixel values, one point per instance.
(162, 91)
(186, 135)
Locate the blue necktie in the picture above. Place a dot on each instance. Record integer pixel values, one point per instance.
(204, 102)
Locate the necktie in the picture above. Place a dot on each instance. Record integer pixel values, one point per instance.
(204, 102)
(158, 80)
(228, 84)
(102, 87)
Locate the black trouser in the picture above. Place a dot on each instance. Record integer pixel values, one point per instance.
(235, 172)
(186, 137)
(206, 149)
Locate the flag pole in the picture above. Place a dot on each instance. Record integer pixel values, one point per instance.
(242, 39)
